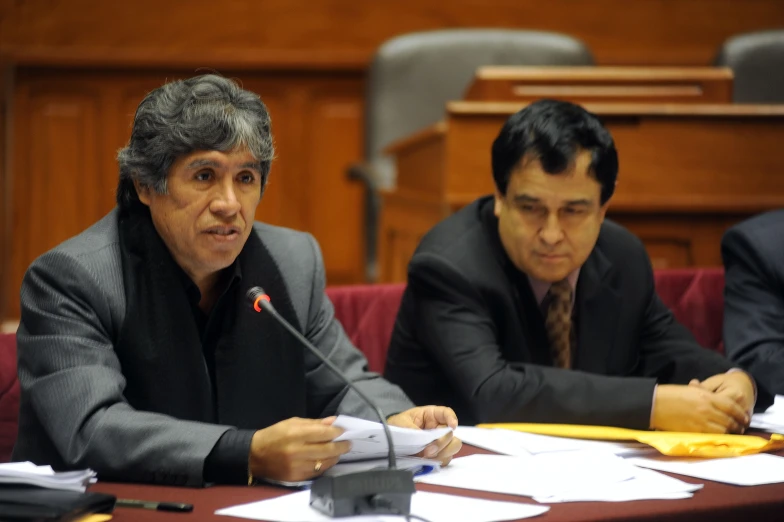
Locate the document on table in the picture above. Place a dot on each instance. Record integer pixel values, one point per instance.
(518, 443)
(772, 419)
(369, 442)
(748, 470)
(45, 477)
(435, 507)
(560, 477)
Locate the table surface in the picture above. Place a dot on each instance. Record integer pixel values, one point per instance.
(715, 502)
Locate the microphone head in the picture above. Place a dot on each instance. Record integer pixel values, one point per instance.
(257, 296)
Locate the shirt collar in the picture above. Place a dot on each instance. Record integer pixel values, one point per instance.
(540, 288)
(232, 273)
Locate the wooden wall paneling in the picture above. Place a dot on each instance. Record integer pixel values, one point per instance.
(56, 164)
(335, 208)
(317, 124)
(345, 33)
(6, 91)
(407, 216)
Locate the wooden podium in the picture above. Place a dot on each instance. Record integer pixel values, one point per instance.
(687, 172)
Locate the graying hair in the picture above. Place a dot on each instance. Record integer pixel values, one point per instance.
(206, 112)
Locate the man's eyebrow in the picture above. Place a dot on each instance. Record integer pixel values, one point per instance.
(525, 198)
(582, 201)
(203, 162)
(254, 165)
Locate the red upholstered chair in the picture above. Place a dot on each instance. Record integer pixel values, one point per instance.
(367, 313)
(696, 297)
(9, 395)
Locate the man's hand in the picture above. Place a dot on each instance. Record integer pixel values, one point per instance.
(737, 385)
(695, 409)
(430, 417)
(293, 449)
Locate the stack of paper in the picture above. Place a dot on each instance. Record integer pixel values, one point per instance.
(773, 418)
(518, 443)
(435, 507)
(560, 477)
(44, 476)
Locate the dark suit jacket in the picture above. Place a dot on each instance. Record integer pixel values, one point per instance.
(470, 334)
(753, 254)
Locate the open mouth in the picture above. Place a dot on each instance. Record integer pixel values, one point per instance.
(223, 232)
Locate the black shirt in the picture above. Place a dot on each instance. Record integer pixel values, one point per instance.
(228, 460)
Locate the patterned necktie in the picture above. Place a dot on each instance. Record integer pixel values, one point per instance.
(558, 323)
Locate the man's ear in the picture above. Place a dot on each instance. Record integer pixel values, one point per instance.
(498, 203)
(143, 191)
(603, 209)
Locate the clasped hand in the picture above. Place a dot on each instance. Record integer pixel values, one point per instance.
(720, 404)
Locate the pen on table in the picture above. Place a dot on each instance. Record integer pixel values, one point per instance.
(156, 506)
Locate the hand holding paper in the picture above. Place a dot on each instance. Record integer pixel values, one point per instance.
(295, 449)
(429, 418)
(368, 440)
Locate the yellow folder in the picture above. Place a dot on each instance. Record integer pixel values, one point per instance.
(671, 443)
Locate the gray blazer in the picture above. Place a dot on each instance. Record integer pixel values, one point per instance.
(72, 408)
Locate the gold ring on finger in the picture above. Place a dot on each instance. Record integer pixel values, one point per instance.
(317, 467)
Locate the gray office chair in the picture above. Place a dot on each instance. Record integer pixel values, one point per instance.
(413, 76)
(757, 61)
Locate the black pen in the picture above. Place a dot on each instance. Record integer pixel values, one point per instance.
(156, 506)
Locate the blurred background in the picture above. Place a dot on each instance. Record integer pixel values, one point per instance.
(72, 73)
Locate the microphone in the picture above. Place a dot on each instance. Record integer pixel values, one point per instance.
(380, 492)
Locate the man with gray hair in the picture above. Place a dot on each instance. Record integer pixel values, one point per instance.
(138, 354)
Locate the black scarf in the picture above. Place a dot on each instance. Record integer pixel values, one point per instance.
(259, 368)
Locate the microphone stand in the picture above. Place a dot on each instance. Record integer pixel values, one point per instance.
(384, 491)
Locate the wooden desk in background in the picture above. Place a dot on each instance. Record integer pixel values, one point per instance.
(687, 172)
(602, 84)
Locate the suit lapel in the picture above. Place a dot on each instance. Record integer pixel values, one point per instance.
(598, 308)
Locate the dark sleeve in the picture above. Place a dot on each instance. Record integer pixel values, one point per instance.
(458, 329)
(753, 312)
(227, 463)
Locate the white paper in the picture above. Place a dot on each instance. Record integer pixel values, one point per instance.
(772, 419)
(44, 476)
(436, 507)
(748, 470)
(518, 443)
(559, 477)
(368, 440)
(646, 485)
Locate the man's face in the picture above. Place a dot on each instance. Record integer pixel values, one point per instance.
(208, 211)
(550, 223)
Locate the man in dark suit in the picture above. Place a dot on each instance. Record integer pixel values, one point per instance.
(753, 253)
(529, 306)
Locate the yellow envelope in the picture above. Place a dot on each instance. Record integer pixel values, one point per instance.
(671, 443)
(98, 517)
